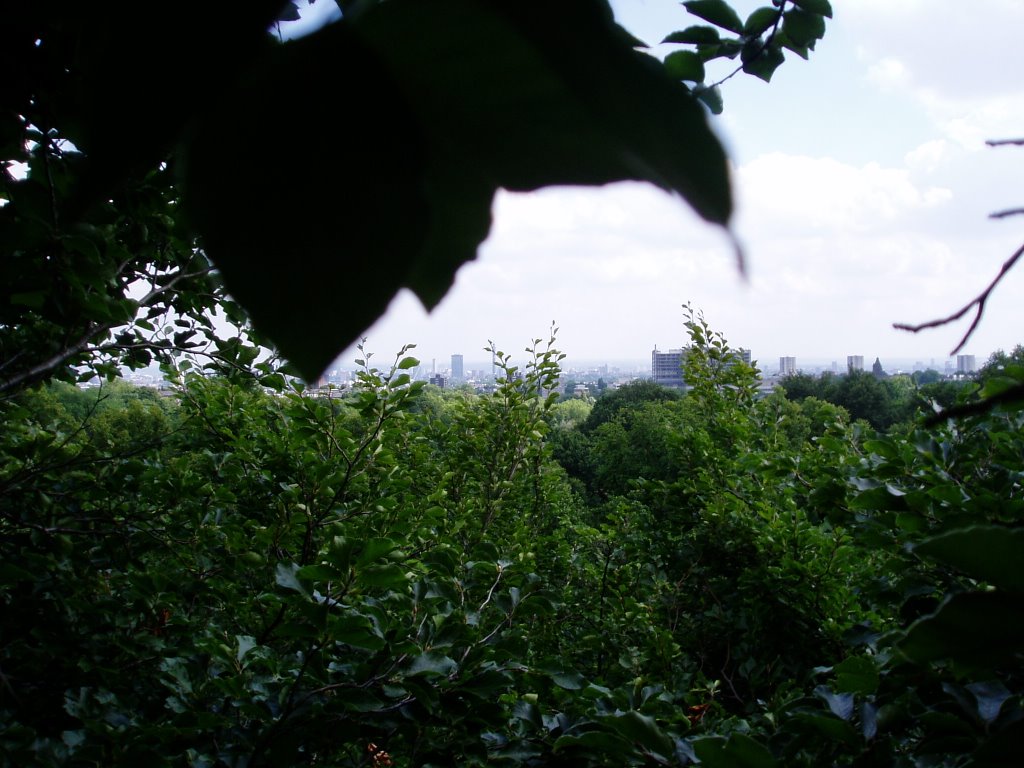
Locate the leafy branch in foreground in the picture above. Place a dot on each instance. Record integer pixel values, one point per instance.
(453, 99)
(794, 25)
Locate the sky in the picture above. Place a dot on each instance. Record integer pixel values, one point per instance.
(863, 186)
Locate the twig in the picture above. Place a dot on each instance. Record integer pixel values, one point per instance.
(1005, 142)
(979, 301)
(1008, 212)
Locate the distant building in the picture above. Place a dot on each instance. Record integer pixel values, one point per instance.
(438, 380)
(458, 371)
(744, 355)
(965, 364)
(854, 363)
(877, 371)
(787, 366)
(667, 367)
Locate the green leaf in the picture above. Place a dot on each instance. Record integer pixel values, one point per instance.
(717, 12)
(856, 674)
(989, 553)
(685, 65)
(245, 644)
(432, 664)
(383, 576)
(571, 681)
(643, 730)
(357, 631)
(841, 704)
(740, 751)
(697, 35)
(803, 28)
(319, 573)
(286, 576)
(408, 362)
(820, 7)
(990, 695)
(712, 99)
(761, 20)
(977, 629)
(761, 61)
(375, 549)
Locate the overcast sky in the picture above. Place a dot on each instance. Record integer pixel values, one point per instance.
(863, 185)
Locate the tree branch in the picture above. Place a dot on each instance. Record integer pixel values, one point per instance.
(1008, 212)
(979, 301)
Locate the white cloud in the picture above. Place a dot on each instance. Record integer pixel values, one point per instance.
(784, 193)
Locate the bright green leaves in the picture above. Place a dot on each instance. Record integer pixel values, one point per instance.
(421, 111)
(794, 25)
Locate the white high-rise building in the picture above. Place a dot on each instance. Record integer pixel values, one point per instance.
(787, 366)
(854, 363)
(965, 364)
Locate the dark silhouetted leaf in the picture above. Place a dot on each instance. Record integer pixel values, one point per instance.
(740, 751)
(856, 674)
(717, 12)
(642, 730)
(760, 21)
(803, 28)
(989, 553)
(976, 629)
(761, 61)
(685, 65)
(697, 35)
(820, 7)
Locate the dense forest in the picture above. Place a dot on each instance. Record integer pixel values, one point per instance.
(240, 572)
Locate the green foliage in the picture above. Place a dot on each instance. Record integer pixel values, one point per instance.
(759, 41)
(742, 580)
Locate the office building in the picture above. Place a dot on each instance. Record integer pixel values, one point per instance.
(965, 364)
(458, 371)
(787, 366)
(854, 363)
(667, 367)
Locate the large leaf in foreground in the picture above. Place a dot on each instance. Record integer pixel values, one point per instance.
(365, 158)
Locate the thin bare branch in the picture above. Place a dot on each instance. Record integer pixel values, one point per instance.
(978, 302)
(1007, 212)
(1005, 142)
